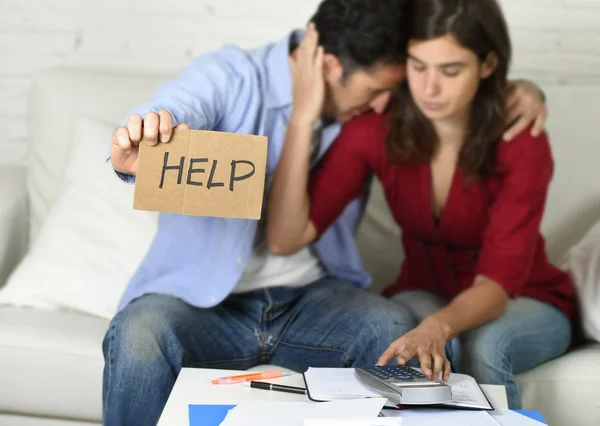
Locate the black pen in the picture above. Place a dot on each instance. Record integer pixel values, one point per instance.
(275, 387)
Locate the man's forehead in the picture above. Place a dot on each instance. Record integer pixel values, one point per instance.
(384, 76)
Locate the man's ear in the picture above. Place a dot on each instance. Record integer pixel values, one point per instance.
(489, 65)
(333, 70)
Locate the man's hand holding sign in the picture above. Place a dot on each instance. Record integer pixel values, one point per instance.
(202, 173)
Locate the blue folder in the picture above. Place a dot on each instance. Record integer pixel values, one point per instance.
(208, 415)
(213, 415)
(532, 415)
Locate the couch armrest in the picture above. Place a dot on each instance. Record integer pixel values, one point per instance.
(14, 219)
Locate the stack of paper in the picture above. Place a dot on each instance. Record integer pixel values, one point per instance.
(433, 417)
(262, 413)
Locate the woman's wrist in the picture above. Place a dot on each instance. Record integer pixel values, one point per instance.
(437, 320)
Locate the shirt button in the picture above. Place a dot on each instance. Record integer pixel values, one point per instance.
(239, 260)
(213, 300)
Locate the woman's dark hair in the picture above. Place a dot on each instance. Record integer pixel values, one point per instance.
(479, 26)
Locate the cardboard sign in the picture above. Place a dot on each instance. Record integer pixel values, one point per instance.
(203, 173)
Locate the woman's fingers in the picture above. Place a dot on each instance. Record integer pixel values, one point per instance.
(425, 360)
(447, 370)
(387, 356)
(438, 365)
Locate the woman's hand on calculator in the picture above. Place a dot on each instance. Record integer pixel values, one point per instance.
(427, 342)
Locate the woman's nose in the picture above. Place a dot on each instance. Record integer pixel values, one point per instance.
(432, 84)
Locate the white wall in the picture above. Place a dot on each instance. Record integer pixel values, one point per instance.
(556, 41)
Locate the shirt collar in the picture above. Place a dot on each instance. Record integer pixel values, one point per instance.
(278, 72)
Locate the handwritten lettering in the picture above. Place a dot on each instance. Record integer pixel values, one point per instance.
(193, 169)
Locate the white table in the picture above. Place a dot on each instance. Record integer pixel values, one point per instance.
(193, 386)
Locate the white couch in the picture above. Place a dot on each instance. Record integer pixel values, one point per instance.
(51, 360)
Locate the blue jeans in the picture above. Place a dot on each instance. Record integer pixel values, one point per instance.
(329, 323)
(528, 334)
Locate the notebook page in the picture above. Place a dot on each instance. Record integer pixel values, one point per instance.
(329, 384)
(466, 392)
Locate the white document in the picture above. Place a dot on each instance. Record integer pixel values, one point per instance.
(506, 417)
(263, 413)
(432, 417)
(379, 421)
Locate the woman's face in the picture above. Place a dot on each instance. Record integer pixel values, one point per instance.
(444, 77)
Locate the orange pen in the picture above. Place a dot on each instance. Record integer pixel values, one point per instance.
(272, 374)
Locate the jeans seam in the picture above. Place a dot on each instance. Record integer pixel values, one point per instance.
(111, 331)
(266, 317)
(312, 348)
(264, 325)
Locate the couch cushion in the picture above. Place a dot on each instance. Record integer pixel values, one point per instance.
(56, 97)
(51, 363)
(583, 263)
(92, 240)
(565, 390)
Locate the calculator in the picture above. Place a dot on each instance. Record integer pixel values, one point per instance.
(404, 385)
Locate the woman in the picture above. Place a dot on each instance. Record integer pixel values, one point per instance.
(470, 206)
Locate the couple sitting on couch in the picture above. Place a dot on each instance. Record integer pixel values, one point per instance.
(422, 87)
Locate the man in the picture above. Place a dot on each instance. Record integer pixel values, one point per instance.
(209, 293)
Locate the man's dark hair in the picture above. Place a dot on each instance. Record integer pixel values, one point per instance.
(362, 33)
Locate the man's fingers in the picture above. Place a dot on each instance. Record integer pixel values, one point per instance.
(447, 370)
(151, 122)
(438, 365)
(516, 128)
(319, 59)
(134, 127)
(540, 122)
(310, 42)
(121, 138)
(425, 360)
(182, 126)
(306, 39)
(165, 126)
(512, 114)
(314, 41)
(513, 97)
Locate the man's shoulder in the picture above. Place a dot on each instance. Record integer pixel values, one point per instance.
(237, 55)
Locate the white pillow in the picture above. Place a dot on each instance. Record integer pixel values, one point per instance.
(92, 240)
(582, 262)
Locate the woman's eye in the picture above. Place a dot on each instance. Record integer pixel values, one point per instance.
(418, 68)
(451, 73)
